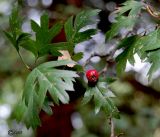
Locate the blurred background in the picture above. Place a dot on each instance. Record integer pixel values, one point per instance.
(137, 99)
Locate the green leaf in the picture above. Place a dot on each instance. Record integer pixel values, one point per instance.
(153, 58)
(55, 47)
(103, 87)
(151, 48)
(46, 107)
(122, 22)
(59, 89)
(87, 96)
(69, 30)
(30, 45)
(15, 22)
(84, 18)
(23, 40)
(130, 48)
(54, 30)
(101, 100)
(44, 36)
(11, 39)
(52, 64)
(151, 41)
(73, 27)
(77, 56)
(105, 103)
(46, 78)
(19, 110)
(110, 107)
(132, 6)
(44, 21)
(35, 27)
(85, 35)
(110, 80)
(19, 38)
(148, 48)
(23, 36)
(78, 68)
(31, 117)
(97, 99)
(55, 52)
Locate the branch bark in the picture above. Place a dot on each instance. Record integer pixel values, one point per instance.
(112, 128)
(153, 13)
(111, 122)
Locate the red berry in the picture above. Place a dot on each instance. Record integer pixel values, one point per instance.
(92, 76)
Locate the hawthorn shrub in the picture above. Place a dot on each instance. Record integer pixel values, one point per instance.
(52, 78)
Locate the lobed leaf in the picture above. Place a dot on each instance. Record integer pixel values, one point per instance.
(69, 29)
(72, 27)
(121, 22)
(87, 96)
(149, 46)
(132, 6)
(47, 107)
(101, 99)
(127, 17)
(85, 35)
(153, 58)
(130, 48)
(15, 22)
(44, 36)
(54, 31)
(84, 18)
(77, 56)
(45, 78)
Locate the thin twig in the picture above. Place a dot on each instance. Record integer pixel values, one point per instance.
(104, 69)
(121, 134)
(87, 61)
(93, 55)
(111, 122)
(156, 25)
(112, 128)
(28, 68)
(35, 62)
(152, 12)
(109, 58)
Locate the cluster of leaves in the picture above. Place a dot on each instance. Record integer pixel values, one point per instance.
(146, 46)
(43, 45)
(46, 85)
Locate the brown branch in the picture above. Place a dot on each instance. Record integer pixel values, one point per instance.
(152, 12)
(104, 70)
(87, 61)
(93, 55)
(112, 128)
(121, 134)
